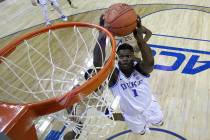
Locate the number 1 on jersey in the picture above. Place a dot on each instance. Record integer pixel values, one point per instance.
(135, 92)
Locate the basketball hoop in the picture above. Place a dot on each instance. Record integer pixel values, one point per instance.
(49, 87)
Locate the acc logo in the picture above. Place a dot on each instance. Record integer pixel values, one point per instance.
(194, 63)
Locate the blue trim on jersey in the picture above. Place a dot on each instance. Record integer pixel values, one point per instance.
(128, 78)
(125, 76)
(114, 84)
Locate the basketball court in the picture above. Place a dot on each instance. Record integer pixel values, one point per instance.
(180, 43)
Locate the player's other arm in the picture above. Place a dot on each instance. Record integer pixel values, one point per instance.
(99, 53)
(147, 63)
(99, 49)
(147, 33)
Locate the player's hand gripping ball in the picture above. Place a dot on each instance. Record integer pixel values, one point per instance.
(120, 19)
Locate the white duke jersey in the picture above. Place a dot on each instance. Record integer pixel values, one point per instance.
(135, 93)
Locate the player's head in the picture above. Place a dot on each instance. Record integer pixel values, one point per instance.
(125, 54)
(125, 46)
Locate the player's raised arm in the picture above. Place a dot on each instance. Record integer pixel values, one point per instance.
(147, 64)
(99, 50)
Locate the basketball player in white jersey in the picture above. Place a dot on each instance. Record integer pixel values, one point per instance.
(43, 5)
(129, 81)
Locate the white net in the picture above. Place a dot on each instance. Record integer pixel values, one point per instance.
(91, 118)
(50, 65)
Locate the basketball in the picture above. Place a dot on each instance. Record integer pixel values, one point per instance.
(120, 19)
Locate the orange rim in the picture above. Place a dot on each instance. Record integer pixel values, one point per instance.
(58, 103)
